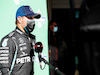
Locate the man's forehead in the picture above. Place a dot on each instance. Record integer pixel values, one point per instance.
(54, 23)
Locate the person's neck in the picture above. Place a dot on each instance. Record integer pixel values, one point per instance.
(20, 27)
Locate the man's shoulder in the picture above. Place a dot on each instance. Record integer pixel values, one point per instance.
(7, 40)
(8, 36)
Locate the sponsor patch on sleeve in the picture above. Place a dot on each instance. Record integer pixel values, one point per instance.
(4, 43)
(4, 55)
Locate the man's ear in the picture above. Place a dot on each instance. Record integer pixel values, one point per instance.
(19, 19)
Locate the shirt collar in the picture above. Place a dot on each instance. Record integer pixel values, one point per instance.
(21, 32)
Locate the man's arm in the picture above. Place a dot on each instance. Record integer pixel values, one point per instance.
(6, 55)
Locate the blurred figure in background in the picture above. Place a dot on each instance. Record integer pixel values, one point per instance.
(57, 48)
(53, 50)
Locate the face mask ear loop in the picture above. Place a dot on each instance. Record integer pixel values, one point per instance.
(25, 28)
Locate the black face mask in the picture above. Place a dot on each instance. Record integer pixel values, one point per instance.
(30, 26)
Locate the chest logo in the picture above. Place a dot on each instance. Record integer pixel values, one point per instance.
(23, 60)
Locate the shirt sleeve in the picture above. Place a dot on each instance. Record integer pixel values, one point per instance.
(7, 49)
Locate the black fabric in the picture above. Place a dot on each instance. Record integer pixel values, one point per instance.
(23, 64)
